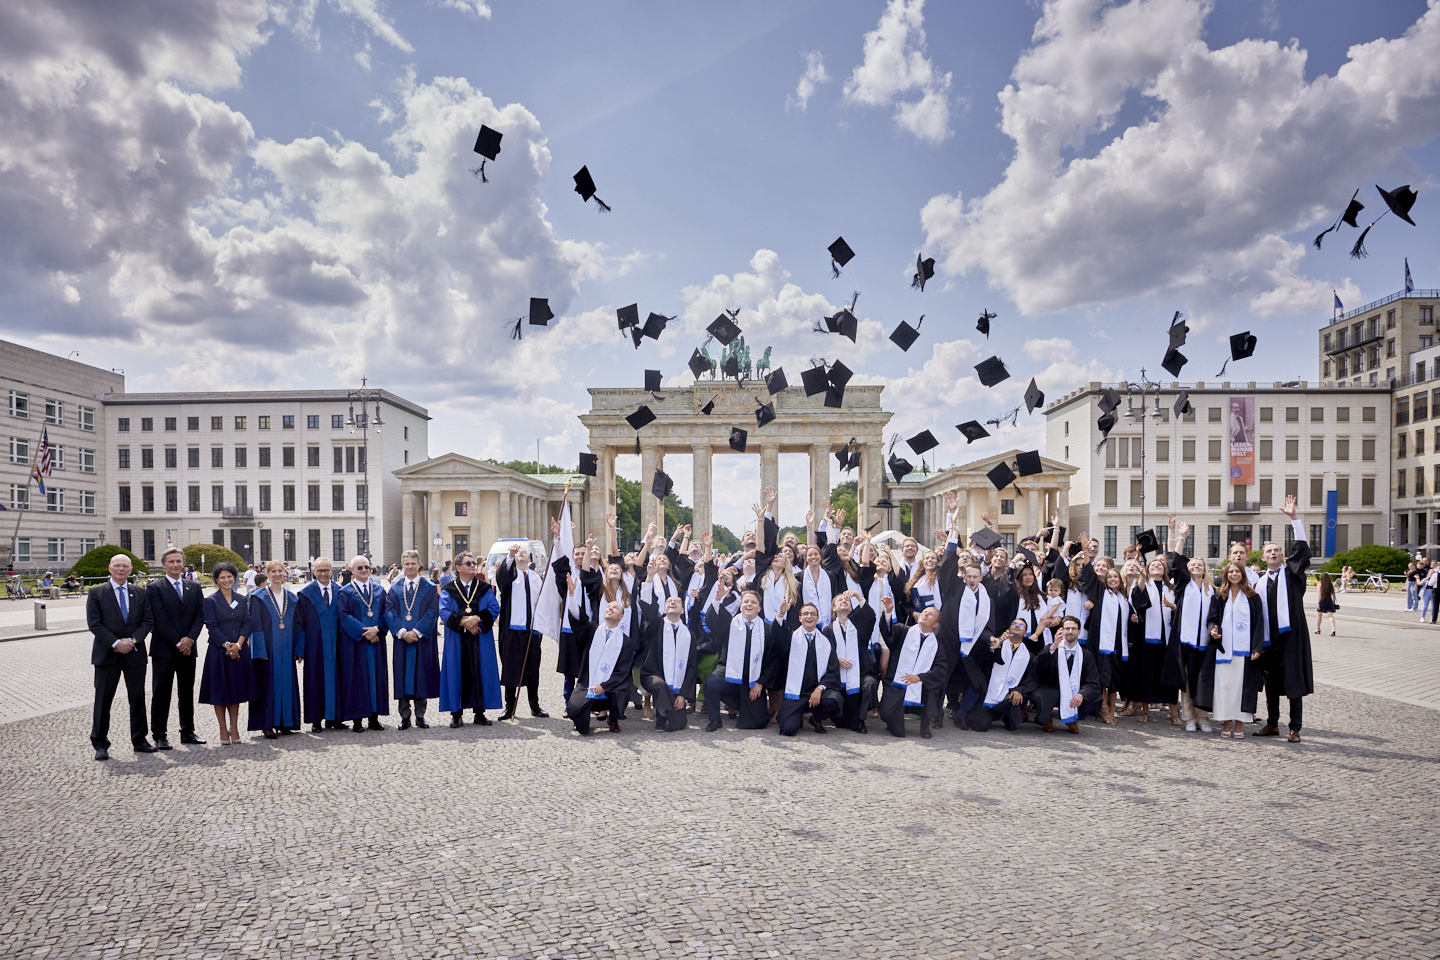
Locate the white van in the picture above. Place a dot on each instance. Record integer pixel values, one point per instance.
(500, 549)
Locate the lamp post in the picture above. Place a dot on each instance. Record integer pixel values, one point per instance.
(1143, 388)
(362, 422)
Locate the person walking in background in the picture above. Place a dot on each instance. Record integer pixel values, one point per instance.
(228, 677)
(1412, 586)
(1327, 604)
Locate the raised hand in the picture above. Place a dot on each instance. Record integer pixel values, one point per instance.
(1289, 508)
(554, 527)
(650, 530)
(759, 510)
(840, 517)
(707, 538)
(770, 495)
(810, 517)
(951, 499)
(985, 519)
(610, 521)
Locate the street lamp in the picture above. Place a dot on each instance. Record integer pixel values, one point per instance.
(1143, 388)
(362, 422)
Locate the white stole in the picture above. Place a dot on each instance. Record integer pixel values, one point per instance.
(518, 606)
(795, 671)
(1007, 674)
(603, 665)
(735, 651)
(817, 590)
(1282, 602)
(1069, 680)
(973, 616)
(1075, 607)
(917, 655)
(697, 583)
(847, 647)
(774, 593)
(1114, 618)
(1234, 629)
(1193, 612)
(674, 653)
(1157, 615)
(879, 590)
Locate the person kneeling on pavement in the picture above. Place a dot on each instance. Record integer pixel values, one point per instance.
(1066, 677)
(1012, 678)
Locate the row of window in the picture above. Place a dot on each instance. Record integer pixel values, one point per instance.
(54, 411)
(1402, 443)
(1369, 328)
(347, 459)
(1124, 452)
(1420, 527)
(1215, 489)
(1417, 407)
(1216, 547)
(243, 543)
(55, 549)
(82, 501)
(20, 453)
(287, 422)
(241, 501)
(1266, 414)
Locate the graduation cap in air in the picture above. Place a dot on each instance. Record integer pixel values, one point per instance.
(652, 380)
(722, 328)
(1182, 404)
(1242, 345)
(853, 462)
(923, 442)
(654, 326)
(840, 374)
(589, 464)
(1106, 423)
(586, 188)
(1028, 463)
(972, 431)
(924, 270)
(834, 396)
(1352, 210)
(840, 254)
(1174, 361)
(843, 323)
(640, 417)
(1002, 476)
(884, 504)
(1109, 400)
(1147, 543)
(899, 466)
(487, 144)
(540, 313)
(983, 324)
(848, 456)
(814, 380)
(698, 364)
(985, 538)
(904, 336)
(764, 413)
(991, 371)
(709, 407)
(1034, 396)
(1179, 330)
(628, 316)
(637, 333)
(661, 485)
(775, 381)
(1399, 201)
(737, 439)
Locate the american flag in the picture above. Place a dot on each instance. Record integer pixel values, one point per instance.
(42, 456)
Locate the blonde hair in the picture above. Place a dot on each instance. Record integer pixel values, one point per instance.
(787, 576)
(273, 563)
(931, 578)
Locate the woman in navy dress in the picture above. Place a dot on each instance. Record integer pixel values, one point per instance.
(229, 676)
(278, 639)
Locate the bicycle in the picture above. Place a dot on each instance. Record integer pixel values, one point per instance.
(1375, 581)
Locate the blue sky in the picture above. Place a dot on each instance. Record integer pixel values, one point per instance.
(237, 194)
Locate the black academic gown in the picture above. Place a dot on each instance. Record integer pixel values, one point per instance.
(1044, 682)
(617, 684)
(1145, 681)
(1182, 661)
(1004, 600)
(1254, 675)
(813, 674)
(652, 673)
(932, 681)
(1286, 661)
(754, 714)
(1006, 712)
(856, 705)
(519, 648)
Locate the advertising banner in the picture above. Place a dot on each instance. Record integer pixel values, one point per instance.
(1242, 441)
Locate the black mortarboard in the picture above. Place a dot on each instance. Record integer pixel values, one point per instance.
(628, 316)
(652, 380)
(840, 254)
(540, 313)
(854, 461)
(983, 324)
(1109, 400)
(764, 413)
(722, 328)
(698, 364)
(589, 464)
(904, 336)
(1034, 396)
(1242, 345)
(488, 143)
(1146, 541)
(985, 538)
(923, 441)
(842, 456)
(991, 371)
(1029, 556)
(1179, 330)
(1002, 476)
(731, 366)
(640, 417)
(884, 504)
(1174, 361)
(972, 431)
(1106, 423)
(586, 188)
(843, 323)
(814, 380)
(661, 486)
(1028, 463)
(1352, 210)
(709, 407)
(1182, 404)
(637, 333)
(1400, 200)
(737, 439)
(924, 270)
(899, 467)
(655, 325)
(834, 396)
(840, 374)
(775, 381)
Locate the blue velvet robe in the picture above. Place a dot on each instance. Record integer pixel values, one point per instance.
(364, 682)
(322, 669)
(416, 666)
(275, 650)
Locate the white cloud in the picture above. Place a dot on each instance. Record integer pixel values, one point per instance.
(1193, 201)
(370, 13)
(813, 76)
(895, 65)
(476, 8)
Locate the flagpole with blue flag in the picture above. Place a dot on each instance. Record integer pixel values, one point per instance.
(1339, 307)
(1409, 284)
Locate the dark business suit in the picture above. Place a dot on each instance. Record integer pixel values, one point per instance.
(102, 614)
(174, 618)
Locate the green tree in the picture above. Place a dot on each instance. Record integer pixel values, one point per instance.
(96, 563)
(842, 497)
(204, 556)
(1386, 560)
(529, 466)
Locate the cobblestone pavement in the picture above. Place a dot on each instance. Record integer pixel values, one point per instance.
(523, 840)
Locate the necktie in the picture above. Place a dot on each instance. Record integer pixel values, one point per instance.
(1270, 600)
(746, 672)
(123, 595)
(1069, 662)
(326, 591)
(180, 589)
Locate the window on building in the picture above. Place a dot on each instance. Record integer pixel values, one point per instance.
(312, 421)
(1419, 481)
(123, 498)
(20, 406)
(171, 458)
(312, 497)
(262, 423)
(337, 421)
(1342, 448)
(54, 500)
(147, 499)
(1267, 487)
(1367, 414)
(289, 546)
(20, 451)
(1317, 414)
(267, 546)
(1292, 488)
(337, 496)
(192, 423)
(217, 456)
(1213, 451)
(87, 502)
(86, 419)
(193, 496)
(312, 456)
(217, 497)
(1419, 442)
(362, 541)
(147, 424)
(147, 549)
(1212, 546)
(170, 424)
(287, 422)
(242, 496)
(1420, 372)
(147, 458)
(1367, 534)
(1162, 491)
(407, 433)
(1317, 448)
(1267, 450)
(462, 508)
(264, 497)
(287, 456)
(1214, 414)
(349, 459)
(241, 458)
(54, 412)
(264, 456)
(1342, 366)
(217, 423)
(1400, 483)
(1292, 448)
(1267, 414)
(1187, 492)
(1110, 541)
(122, 424)
(1007, 507)
(1427, 313)
(339, 460)
(1317, 491)
(337, 542)
(1292, 414)
(1419, 406)
(1342, 491)
(239, 423)
(1426, 340)
(1400, 441)
(287, 495)
(1329, 342)
(1162, 451)
(362, 499)
(405, 455)
(122, 457)
(1187, 451)
(1213, 490)
(1367, 491)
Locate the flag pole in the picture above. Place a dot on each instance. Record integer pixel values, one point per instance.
(20, 514)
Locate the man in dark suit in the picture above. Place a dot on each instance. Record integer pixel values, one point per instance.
(120, 620)
(177, 608)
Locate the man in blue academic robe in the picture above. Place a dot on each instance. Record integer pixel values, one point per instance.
(412, 612)
(360, 649)
(322, 629)
(469, 671)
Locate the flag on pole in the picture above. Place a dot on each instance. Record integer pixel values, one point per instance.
(38, 478)
(1339, 307)
(551, 608)
(1409, 284)
(42, 457)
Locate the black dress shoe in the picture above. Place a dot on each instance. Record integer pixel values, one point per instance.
(420, 722)
(455, 721)
(925, 734)
(271, 735)
(161, 743)
(509, 714)
(358, 727)
(483, 720)
(375, 723)
(535, 711)
(614, 726)
(404, 723)
(314, 728)
(860, 727)
(102, 753)
(191, 739)
(713, 725)
(144, 747)
(817, 724)
(334, 725)
(288, 731)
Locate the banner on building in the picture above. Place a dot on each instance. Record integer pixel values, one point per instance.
(1242, 441)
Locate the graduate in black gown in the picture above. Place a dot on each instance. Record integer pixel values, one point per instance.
(1153, 601)
(748, 648)
(668, 673)
(807, 673)
(919, 670)
(1065, 677)
(519, 590)
(850, 630)
(1286, 660)
(1185, 651)
(1010, 679)
(604, 672)
(469, 671)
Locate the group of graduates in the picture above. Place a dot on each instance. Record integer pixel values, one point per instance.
(831, 631)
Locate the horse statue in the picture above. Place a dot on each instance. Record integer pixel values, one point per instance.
(705, 354)
(763, 366)
(744, 363)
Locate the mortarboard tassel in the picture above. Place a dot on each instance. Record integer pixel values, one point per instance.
(1358, 252)
(637, 444)
(519, 325)
(479, 172)
(1222, 368)
(1322, 233)
(604, 207)
(834, 269)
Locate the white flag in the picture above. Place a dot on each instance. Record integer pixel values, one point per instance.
(550, 611)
